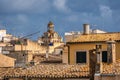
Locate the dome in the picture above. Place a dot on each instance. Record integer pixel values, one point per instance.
(50, 24)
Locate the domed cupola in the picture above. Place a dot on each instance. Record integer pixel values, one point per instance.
(50, 26)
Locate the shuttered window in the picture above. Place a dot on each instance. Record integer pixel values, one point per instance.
(81, 57)
(104, 56)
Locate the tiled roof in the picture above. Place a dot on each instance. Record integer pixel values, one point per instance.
(53, 71)
(113, 68)
(9, 71)
(97, 37)
(107, 68)
(58, 71)
(53, 58)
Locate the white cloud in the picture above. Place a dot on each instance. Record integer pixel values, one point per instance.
(61, 5)
(105, 11)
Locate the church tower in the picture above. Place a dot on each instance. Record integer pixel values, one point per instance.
(50, 27)
(50, 37)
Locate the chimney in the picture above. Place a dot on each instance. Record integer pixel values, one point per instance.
(99, 59)
(98, 67)
(86, 28)
(111, 51)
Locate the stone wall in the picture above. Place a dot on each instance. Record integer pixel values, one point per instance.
(65, 55)
(31, 46)
(22, 57)
(6, 61)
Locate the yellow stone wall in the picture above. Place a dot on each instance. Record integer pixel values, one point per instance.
(65, 55)
(51, 48)
(29, 57)
(6, 61)
(118, 50)
(34, 47)
(87, 47)
(31, 46)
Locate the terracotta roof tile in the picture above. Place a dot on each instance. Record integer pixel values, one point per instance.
(9, 71)
(113, 68)
(53, 71)
(97, 37)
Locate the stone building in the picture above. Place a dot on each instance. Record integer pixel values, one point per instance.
(85, 43)
(74, 34)
(99, 51)
(6, 61)
(50, 38)
(23, 51)
(5, 37)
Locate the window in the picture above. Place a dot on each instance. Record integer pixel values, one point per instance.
(81, 57)
(104, 56)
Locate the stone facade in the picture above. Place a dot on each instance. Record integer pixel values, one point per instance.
(6, 61)
(65, 55)
(30, 46)
(105, 46)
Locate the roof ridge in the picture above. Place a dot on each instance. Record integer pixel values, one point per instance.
(96, 37)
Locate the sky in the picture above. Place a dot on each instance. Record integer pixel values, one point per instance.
(23, 17)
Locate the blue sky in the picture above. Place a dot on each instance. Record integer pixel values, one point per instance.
(22, 17)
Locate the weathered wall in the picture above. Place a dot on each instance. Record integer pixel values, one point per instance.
(65, 55)
(6, 61)
(36, 48)
(83, 47)
(22, 58)
(32, 46)
(51, 48)
(118, 50)
(87, 47)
